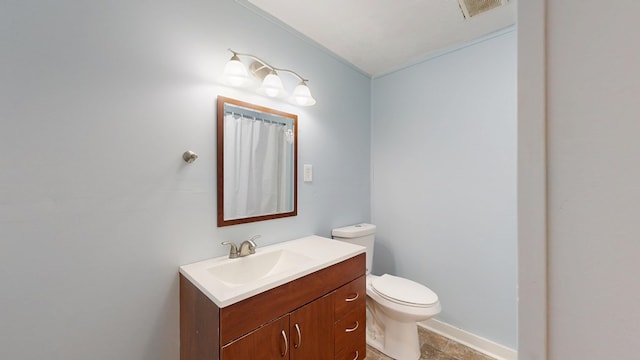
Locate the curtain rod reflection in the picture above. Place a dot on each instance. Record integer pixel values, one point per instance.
(255, 118)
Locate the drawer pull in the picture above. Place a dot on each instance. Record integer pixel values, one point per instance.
(356, 358)
(353, 328)
(295, 346)
(286, 344)
(353, 298)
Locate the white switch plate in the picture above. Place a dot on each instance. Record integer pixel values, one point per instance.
(308, 173)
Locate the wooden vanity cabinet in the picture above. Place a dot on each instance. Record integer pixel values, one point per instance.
(297, 320)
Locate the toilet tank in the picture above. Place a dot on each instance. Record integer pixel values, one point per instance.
(359, 234)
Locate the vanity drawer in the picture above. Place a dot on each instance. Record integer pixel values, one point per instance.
(350, 334)
(349, 297)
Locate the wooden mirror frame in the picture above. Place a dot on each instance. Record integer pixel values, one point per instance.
(220, 165)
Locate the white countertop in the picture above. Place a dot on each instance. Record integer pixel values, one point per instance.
(312, 253)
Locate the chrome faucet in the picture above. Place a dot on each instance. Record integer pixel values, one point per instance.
(247, 247)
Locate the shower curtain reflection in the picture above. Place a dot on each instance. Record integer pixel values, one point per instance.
(256, 158)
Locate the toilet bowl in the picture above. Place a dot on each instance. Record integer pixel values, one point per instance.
(394, 304)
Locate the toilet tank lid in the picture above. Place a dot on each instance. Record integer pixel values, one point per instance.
(354, 231)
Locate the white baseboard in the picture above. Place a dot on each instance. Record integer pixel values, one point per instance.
(466, 338)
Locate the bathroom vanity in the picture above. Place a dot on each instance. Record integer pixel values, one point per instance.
(314, 309)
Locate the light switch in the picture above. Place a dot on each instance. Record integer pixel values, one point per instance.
(308, 173)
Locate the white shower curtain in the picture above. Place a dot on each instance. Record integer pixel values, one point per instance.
(255, 168)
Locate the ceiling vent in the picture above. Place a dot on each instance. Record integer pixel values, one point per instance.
(472, 8)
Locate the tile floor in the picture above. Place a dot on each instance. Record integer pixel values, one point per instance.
(436, 347)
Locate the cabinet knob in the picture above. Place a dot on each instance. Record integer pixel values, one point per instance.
(356, 358)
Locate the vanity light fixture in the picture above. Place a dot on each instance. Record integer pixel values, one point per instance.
(236, 74)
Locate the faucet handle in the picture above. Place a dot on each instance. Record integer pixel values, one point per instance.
(233, 251)
(252, 244)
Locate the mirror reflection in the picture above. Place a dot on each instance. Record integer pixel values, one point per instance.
(257, 161)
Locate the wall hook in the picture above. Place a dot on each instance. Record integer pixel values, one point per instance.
(189, 156)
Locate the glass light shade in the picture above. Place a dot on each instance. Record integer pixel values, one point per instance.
(272, 85)
(302, 95)
(235, 73)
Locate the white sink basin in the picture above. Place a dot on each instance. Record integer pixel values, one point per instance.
(226, 281)
(255, 267)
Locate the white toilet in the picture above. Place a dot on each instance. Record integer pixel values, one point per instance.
(394, 304)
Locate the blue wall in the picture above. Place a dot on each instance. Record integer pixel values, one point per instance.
(98, 101)
(444, 182)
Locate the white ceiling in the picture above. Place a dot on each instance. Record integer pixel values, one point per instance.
(379, 36)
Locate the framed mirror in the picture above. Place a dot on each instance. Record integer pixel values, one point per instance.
(257, 163)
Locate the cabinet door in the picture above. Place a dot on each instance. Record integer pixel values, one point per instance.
(269, 342)
(311, 329)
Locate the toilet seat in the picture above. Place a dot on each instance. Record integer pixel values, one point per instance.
(403, 291)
